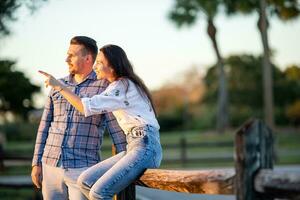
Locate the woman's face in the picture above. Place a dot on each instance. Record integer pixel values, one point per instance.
(102, 68)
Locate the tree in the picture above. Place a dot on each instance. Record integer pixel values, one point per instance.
(8, 10)
(285, 10)
(15, 90)
(175, 103)
(186, 12)
(244, 79)
(244, 86)
(290, 99)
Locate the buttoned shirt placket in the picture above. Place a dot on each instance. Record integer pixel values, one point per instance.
(75, 88)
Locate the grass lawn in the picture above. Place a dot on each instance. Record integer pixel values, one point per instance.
(284, 142)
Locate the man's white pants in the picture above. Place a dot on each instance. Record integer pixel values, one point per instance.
(60, 184)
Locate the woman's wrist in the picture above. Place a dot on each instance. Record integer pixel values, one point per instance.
(60, 88)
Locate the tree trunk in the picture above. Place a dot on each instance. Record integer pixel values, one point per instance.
(222, 113)
(267, 67)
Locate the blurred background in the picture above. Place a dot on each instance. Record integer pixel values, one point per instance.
(210, 65)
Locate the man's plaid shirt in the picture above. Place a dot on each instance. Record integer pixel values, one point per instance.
(64, 133)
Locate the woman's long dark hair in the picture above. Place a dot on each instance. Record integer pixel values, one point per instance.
(118, 60)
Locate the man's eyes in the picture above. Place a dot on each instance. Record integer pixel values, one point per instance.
(70, 56)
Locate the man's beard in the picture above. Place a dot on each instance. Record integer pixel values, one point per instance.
(71, 70)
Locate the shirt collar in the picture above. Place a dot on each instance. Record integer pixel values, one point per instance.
(69, 79)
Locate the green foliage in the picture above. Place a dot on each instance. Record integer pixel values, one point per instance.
(19, 131)
(246, 92)
(240, 114)
(185, 12)
(7, 14)
(170, 122)
(205, 120)
(8, 10)
(293, 112)
(244, 79)
(283, 9)
(287, 96)
(15, 90)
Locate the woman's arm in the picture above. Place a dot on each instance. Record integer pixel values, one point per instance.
(72, 98)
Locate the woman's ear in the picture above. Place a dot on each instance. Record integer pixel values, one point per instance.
(112, 71)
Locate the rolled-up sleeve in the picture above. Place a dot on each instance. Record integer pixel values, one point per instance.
(86, 106)
(108, 101)
(42, 133)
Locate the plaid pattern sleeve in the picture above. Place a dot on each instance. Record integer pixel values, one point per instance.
(116, 133)
(42, 133)
(66, 136)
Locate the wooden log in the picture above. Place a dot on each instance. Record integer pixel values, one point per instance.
(189, 181)
(254, 151)
(278, 184)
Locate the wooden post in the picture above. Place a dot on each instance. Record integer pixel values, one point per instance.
(254, 151)
(183, 154)
(129, 192)
(189, 181)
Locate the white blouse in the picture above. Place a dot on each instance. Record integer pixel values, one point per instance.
(130, 108)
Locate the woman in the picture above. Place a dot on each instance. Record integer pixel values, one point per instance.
(130, 102)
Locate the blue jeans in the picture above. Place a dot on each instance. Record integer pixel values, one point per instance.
(112, 175)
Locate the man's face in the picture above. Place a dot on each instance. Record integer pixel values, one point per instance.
(76, 58)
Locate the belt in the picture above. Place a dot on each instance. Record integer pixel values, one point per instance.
(139, 131)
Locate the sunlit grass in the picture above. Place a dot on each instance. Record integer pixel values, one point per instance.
(284, 142)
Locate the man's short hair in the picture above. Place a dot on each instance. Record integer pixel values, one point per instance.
(89, 44)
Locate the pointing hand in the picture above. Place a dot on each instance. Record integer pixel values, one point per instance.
(51, 81)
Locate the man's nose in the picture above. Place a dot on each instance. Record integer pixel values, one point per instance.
(67, 59)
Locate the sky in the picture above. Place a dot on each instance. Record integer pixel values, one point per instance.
(157, 48)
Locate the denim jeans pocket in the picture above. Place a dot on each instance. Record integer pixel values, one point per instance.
(141, 142)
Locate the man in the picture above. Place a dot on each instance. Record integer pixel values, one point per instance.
(67, 143)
